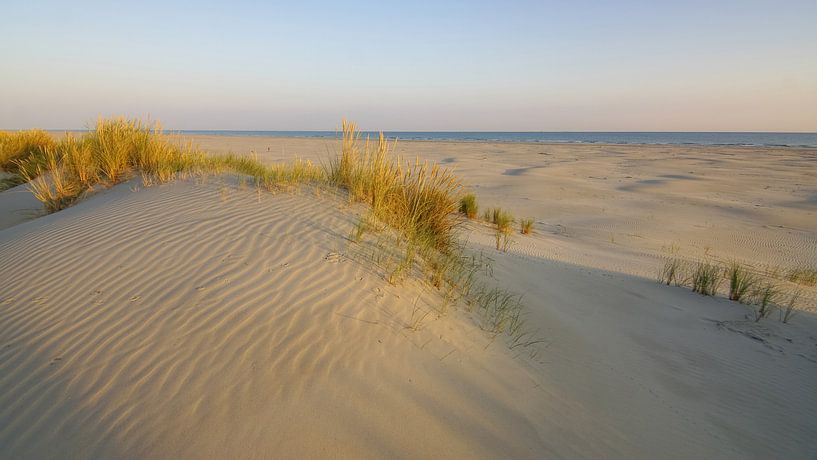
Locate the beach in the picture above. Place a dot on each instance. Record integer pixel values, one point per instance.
(203, 318)
(621, 207)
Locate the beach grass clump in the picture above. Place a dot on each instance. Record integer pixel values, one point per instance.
(503, 226)
(108, 154)
(417, 199)
(788, 310)
(672, 272)
(502, 310)
(55, 186)
(741, 280)
(469, 206)
(23, 151)
(115, 145)
(118, 148)
(269, 177)
(763, 297)
(706, 278)
(526, 225)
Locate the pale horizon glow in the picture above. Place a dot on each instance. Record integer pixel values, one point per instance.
(426, 66)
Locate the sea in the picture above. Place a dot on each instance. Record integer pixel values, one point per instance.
(659, 138)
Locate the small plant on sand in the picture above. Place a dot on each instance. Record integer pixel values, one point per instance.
(789, 310)
(671, 272)
(740, 281)
(417, 317)
(468, 206)
(360, 228)
(706, 278)
(763, 298)
(526, 225)
(502, 310)
(503, 222)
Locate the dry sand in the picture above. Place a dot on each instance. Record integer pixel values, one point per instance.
(192, 320)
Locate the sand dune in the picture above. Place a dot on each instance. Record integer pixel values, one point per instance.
(203, 320)
(192, 320)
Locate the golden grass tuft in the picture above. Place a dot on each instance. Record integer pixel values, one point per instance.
(526, 225)
(469, 206)
(417, 199)
(117, 149)
(503, 222)
(56, 189)
(23, 151)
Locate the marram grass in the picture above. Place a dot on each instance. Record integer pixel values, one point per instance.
(468, 206)
(418, 199)
(762, 292)
(23, 151)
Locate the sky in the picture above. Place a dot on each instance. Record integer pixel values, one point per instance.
(413, 66)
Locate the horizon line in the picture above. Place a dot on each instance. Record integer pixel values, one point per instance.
(442, 131)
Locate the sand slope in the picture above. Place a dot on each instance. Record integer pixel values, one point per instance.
(18, 205)
(193, 321)
(677, 374)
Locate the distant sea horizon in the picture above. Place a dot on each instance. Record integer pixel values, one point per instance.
(758, 139)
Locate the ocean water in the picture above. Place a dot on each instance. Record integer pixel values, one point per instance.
(670, 138)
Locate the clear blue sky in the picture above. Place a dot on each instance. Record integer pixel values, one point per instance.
(437, 65)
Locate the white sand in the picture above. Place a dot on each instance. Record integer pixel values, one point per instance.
(17, 205)
(192, 321)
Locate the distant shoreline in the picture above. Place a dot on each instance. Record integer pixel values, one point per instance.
(715, 139)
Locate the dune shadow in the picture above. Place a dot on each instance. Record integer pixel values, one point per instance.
(680, 177)
(520, 171)
(661, 180)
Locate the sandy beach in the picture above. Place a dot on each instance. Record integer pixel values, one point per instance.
(203, 319)
(622, 207)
